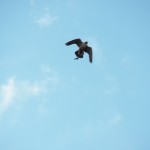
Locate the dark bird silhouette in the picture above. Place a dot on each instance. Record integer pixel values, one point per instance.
(83, 47)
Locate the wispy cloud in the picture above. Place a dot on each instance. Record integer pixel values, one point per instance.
(8, 94)
(112, 85)
(41, 16)
(126, 61)
(95, 125)
(115, 120)
(71, 3)
(46, 20)
(31, 2)
(15, 90)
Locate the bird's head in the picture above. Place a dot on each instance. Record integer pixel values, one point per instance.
(86, 42)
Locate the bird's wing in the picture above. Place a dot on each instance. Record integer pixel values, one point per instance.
(89, 51)
(75, 41)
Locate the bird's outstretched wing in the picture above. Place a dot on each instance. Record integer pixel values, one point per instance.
(89, 51)
(78, 42)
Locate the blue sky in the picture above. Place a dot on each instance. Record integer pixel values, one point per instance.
(49, 101)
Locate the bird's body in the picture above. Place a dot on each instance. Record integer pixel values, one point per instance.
(83, 47)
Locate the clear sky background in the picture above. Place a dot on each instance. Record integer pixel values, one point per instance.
(48, 101)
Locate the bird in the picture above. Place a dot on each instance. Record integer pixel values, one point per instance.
(83, 47)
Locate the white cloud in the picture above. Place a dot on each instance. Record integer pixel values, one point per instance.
(101, 125)
(41, 16)
(31, 2)
(126, 61)
(46, 20)
(115, 120)
(46, 69)
(27, 88)
(22, 90)
(112, 85)
(8, 94)
(71, 4)
(51, 77)
(42, 111)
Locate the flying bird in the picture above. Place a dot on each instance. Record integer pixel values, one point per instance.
(83, 47)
